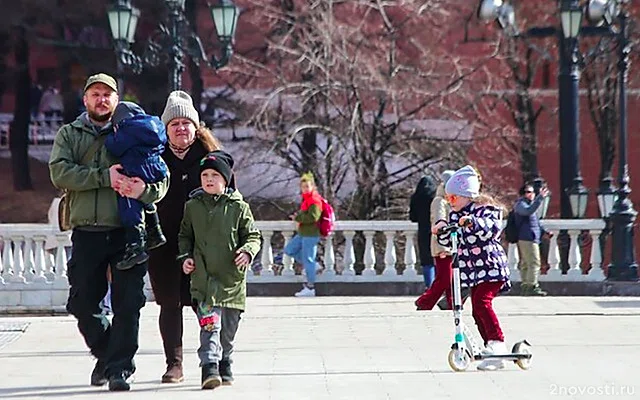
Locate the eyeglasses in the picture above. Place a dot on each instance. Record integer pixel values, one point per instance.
(451, 198)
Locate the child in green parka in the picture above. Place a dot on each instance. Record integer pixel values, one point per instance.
(217, 242)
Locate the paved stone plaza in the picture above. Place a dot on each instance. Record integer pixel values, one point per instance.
(351, 348)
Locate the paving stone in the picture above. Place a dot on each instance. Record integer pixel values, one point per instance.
(353, 348)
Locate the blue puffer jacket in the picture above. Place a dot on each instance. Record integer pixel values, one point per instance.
(529, 228)
(138, 144)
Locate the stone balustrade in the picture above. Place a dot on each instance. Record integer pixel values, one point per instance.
(358, 251)
(41, 129)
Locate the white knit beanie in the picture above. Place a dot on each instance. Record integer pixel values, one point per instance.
(180, 105)
(464, 182)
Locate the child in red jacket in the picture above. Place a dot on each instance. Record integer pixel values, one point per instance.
(303, 247)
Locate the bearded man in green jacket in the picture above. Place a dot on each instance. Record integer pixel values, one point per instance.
(81, 165)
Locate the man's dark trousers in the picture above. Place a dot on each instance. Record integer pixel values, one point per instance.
(113, 344)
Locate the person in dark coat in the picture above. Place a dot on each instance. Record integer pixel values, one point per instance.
(188, 143)
(138, 140)
(419, 211)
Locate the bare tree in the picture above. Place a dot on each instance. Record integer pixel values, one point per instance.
(601, 78)
(363, 93)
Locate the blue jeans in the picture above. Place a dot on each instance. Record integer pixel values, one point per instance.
(303, 249)
(429, 275)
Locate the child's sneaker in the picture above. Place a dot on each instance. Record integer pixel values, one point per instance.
(225, 372)
(493, 364)
(210, 376)
(306, 292)
(134, 255)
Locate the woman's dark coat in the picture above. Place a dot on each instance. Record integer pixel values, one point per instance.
(170, 284)
(420, 212)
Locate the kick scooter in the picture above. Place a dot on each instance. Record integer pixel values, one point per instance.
(465, 349)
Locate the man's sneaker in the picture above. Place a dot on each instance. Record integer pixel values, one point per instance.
(118, 382)
(210, 376)
(98, 377)
(537, 291)
(225, 372)
(134, 255)
(493, 364)
(306, 292)
(525, 289)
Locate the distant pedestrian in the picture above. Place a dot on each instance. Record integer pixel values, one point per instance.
(303, 247)
(420, 212)
(441, 254)
(530, 232)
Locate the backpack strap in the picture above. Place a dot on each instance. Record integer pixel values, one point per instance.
(93, 149)
(95, 146)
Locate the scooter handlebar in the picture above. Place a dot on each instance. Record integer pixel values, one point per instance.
(448, 229)
(452, 227)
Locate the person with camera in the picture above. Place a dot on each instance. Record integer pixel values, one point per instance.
(530, 232)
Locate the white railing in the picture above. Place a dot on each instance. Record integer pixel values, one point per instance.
(358, 251)
(41, 129)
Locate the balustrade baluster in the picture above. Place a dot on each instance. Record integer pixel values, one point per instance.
(596, 273)
(349, 254)
(29, 260)
(61, 259)
(369, 258)
(513, 258)
(329, 257)
(410, 255)
(390, 254)
(7, 259)
(39, 259)
(18, 260)
(286, 260)
(575, 258)
(267, 254)
(554, 272)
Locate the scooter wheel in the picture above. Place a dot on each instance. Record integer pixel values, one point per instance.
(459, 360)
(522, 348)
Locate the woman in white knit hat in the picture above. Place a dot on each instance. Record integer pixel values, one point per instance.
(441, 255)
(189, 142)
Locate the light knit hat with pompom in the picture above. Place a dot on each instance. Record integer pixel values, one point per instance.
(180, 105)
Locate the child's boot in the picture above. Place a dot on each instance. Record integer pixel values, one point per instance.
(134, 255)
(210, 376)
(493, 364)
(155, 237)
(225, 372)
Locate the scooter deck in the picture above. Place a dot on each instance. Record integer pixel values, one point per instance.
(510, 356)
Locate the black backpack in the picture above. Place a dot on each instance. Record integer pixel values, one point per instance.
(511, 230)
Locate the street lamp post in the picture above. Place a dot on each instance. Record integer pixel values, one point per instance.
(624, 266)
(568, 86)
(173, 40)
(575, 194)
